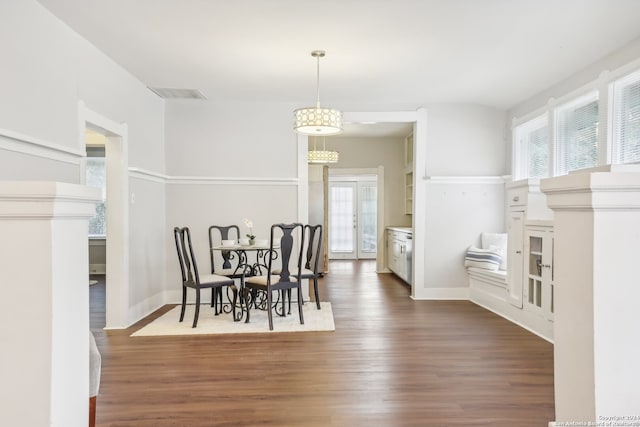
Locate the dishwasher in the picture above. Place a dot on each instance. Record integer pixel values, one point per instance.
(408, 248)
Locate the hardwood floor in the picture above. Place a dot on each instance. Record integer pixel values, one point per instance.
(391, 362)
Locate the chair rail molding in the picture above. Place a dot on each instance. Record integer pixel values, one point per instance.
(148, 175)
(19, 143)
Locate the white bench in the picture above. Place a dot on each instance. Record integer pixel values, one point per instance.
(488, 288)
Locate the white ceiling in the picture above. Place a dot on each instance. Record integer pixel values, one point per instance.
(382, 55)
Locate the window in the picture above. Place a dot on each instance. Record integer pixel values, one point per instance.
(626, 119)
(96, 176)
(577, 134)
(533, 148)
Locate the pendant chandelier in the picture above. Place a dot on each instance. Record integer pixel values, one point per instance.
(322, 156)
(317, 120)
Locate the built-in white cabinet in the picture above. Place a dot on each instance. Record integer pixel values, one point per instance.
(399, 248)
(515, 257)
(525, 203)
(528, 297)
(539, 276)
(408, 175)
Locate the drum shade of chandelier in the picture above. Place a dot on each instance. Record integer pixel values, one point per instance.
(317, 120)
(322, 156)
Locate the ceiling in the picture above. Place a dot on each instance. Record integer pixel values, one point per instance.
(382, 55)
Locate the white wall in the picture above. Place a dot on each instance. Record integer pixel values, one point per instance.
(464, 192)
(240, 140)
(458, 211)
(358, 153)
(46, 70)
(465, 140)
(222, 168)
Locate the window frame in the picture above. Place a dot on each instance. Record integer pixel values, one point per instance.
(521, 146)
(616, 89)
(97, 154)
(576, 102)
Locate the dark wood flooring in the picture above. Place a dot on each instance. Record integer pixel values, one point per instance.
(392, 361)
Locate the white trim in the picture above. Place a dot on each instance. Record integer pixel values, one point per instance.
(512, 320)
(117, 243)
(419, 201)
(382, 117)
(212, 180)
(302, 146)
(461, 293)
(532, 115)
(16, 142)
(148, 175)
(465, 180)
(347, 174)
(38, 200)
(520, 150)
(613, 131)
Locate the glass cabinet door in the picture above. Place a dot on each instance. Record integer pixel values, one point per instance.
(534, 294)
(539, 277)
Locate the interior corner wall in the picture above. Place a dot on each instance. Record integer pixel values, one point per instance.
(47, 69)
(465, 159)
(361, 153)
(221, 171)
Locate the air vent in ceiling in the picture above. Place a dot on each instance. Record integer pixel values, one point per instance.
(170, 93)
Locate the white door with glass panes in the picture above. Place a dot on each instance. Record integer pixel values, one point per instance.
(539, 279)
(353, 218)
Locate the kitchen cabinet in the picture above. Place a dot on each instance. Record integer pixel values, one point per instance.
(399, 251)
(408, 175)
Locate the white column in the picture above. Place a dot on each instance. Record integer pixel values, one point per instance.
(44, 309)
(597, 293)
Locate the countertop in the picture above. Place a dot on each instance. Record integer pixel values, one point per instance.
(401, 229)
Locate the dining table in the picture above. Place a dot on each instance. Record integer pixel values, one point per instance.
(255, 268)
(242, 251)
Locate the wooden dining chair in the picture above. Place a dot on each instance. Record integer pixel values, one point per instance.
(231, 265)
(313, 244)
(310, 270)
(282, 235)
(192, 279)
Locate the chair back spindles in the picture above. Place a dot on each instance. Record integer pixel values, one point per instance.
(314, 243)
(225, 232)
(177, 235)
(286, 247)
(286, 241)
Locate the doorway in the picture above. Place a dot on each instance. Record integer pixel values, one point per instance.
(117, 215)
(353, 217)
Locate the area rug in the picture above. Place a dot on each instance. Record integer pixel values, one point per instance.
(167, 324)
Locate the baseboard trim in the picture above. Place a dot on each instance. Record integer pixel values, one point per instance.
(441, 294)
(512, 320)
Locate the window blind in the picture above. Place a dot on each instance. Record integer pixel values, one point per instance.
(577, 135)
(538, 153)
(533, 137)
(626, 119)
